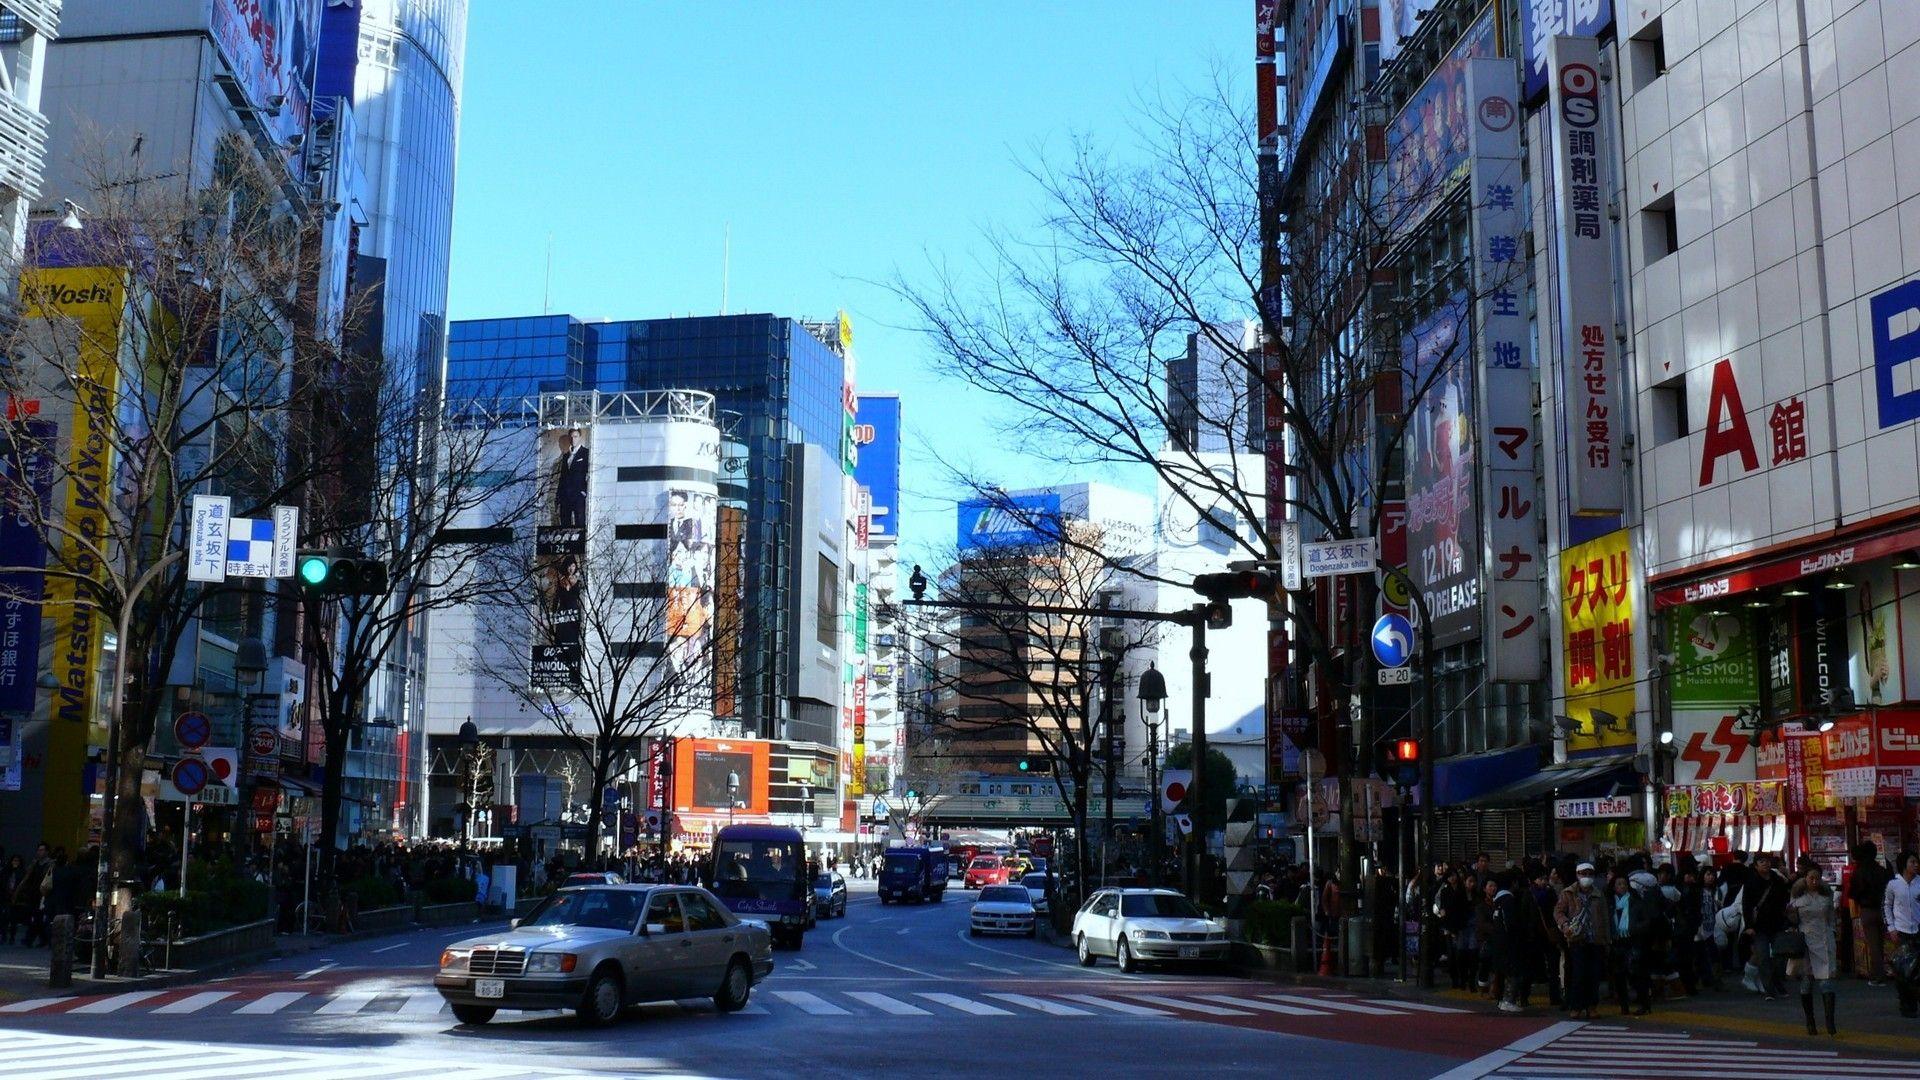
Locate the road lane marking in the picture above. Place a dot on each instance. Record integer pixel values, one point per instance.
(1189, 1006)
(390, 948)
(802, 965)
(316, 971)
(89, 1065)
(1266, 1006)
(1416, 1006)
(1121, 1007)
(31, 1004)
(967, 939)
(1328, 1003)
(423, 1003)
(886, 1004)
(271, 1003)
(844, 947)
(193, 1004)
(1513, 1051)
(114, 1003)
(350, 1002)
(990, 967)
(752, 1010)
(1053, 1008)
(955, 1001)
(812, 1004)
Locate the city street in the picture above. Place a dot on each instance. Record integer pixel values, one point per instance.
(883, 990)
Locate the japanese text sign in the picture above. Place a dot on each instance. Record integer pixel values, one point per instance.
(1596, 610)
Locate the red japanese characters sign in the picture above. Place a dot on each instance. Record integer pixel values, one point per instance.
(1596, 596)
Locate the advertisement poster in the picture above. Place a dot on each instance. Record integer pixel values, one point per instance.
(560, 557)
(1596, 597)
(1399, 19)
(1427, 141)
(1542, 20)
(1713, 674)
(273, 47)
(690, 577)
(712, 767)
(876, 432)
(1443, 529)
(27, 469)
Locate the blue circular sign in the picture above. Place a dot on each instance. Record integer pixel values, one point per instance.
(192, 729)
(1392, 640)
(190, 775)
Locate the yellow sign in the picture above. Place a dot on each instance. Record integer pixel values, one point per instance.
(1596, 609)
(846, 332)
(1394, 588)
(83, 306)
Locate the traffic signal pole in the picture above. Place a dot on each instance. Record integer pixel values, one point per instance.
(1197, 790)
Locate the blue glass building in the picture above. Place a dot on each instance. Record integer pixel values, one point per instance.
(778, 387)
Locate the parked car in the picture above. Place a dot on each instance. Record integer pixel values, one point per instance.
(1136, 926)
(1003, 909)
(596, 877)
(985, 870)
(598, 949)
(1036, 886)
(830, 895)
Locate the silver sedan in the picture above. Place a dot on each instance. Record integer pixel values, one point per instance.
(598, 949)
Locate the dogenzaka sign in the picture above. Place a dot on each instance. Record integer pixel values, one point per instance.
(1614, 807)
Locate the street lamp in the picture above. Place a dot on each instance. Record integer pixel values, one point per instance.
(469, 744)
(733, 794)
(1153, 694)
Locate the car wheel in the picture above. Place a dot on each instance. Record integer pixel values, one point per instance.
(973, 931)
(473, 1014)
(1033, 931)
(604, 999)
(796, 939)
(884, 901)
(1123, 958)
(1084, 951)
(735, 987)
(842, 912)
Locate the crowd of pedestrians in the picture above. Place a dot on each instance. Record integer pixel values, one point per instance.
(1569, 925)
(36, 890)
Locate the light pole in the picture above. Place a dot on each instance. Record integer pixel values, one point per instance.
(1153, 694)
(469, 783)
(733, 794)
(1423, 848)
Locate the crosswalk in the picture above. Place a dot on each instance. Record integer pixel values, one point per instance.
(1575, 1051)
(426, 1005)
(41, 1056)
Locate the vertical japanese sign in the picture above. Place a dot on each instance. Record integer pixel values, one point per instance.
(29, 487)
(1511, 525)
(1443, 531)
(1596, 597)
(1589, 358)
(1543, 20)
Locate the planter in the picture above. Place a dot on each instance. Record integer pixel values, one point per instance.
(446, 914)
(1261, 957)
(384, 920)
(221, 945)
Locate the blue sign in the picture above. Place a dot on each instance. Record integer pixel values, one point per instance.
(1541, 20)
(1891, 352)
(22, 545)
(876, 439)
(1009, 521)
(1392, 640)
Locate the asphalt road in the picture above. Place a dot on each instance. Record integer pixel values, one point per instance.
(885, 992)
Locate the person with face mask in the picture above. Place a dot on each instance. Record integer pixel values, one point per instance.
(1584, 917)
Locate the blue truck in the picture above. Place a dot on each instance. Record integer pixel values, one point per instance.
(916, 874)
(760, 872)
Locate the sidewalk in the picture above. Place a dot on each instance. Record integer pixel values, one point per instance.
(1868, 1017)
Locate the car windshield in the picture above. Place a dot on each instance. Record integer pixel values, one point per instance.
(1004, 894)
(1034, 881)
(900, 862)
(1158, 906)
(986, 862)
(758, 870)
(609, 909)
(824, 881)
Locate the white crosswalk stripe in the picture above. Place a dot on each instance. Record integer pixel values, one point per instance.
(1052, 1008)
(271, 1003)
(39, 1056)
(423, 1003)
(114, 1003)
(965, 1005)
(1124, 1008)
(1190, 1006)
(1593, 1050)
(1333, 1004)
(192, 1004)
(1414, 1006)
(886, 1004)
(347, 1004)
(812, 1004)
(1263, 1006)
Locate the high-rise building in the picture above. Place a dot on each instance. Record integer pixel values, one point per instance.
(781, 394)
(25, 28)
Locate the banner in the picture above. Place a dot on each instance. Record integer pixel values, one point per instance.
(1712, 673)
(1588, 356)
(560, 548)
(1543, 20)
(29, 474)
(1596, 598)
(691, 523)
(1443, 528)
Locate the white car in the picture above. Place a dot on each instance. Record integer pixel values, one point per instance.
(1036, 886)
(1003, 909)
(1137, 926)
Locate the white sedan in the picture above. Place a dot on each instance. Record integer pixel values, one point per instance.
(1136, 926)
(1003, 909)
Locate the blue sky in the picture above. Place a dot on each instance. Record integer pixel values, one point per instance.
(841, 142)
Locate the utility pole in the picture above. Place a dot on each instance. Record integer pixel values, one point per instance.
(1106, 728)
(1197, 791)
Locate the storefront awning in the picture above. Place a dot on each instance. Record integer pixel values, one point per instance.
(1587, 772)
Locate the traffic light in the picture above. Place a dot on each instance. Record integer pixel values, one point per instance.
(1219, 589)
(1023, 765)
(1405, 757)
(323, 573)
(1407, 751)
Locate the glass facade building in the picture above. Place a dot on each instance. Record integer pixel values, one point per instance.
(777, 387)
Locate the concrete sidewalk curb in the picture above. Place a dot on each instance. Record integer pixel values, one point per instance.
(285, 945)
(1664, 1018)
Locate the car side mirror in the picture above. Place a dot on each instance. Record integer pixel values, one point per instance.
(654, 928)
(513, 924)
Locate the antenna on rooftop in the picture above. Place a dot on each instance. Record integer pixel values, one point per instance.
(726, 265)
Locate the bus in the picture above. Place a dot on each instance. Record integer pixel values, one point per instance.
(761, 872)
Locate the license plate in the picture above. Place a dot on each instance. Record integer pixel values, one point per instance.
(490, 988)
(1188, 952)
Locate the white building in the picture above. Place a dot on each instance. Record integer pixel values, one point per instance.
(25, 28)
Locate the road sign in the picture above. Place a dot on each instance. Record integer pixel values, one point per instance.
(192, 730)
(190, 775)
(880, 808)
(1337, 557)
(1395, 676)
(207, 538)
(1392, 640)
(1290, 556)
(1394, 588)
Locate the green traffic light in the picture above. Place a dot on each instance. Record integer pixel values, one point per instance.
(1023, 764)
(314, 569)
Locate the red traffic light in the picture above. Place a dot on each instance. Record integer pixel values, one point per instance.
(1236, 584)
(1407, 750)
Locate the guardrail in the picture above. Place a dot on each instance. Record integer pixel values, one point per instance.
(205, 949)
(446, 914)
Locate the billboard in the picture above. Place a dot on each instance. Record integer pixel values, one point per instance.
(1398, 21)
(1443, 543)
(560, 550)
(705, 769)
(691, 525)
(1427, 141)
(1596, 597)
(1543, 20)
(1713, 672)
(876, 433)
(273, 47)
(28, 472)
(1010, 521)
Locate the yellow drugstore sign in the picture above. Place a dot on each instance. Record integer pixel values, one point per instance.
(1596, 647)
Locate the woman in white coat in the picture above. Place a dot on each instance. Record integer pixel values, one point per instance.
(1812, 910)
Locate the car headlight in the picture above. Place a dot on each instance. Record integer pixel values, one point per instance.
(551, 962)
(455, 959)
(1149, 935)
